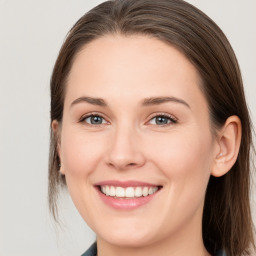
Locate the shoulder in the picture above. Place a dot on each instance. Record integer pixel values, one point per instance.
(92, 251)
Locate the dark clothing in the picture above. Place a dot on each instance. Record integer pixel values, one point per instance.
(92, 251)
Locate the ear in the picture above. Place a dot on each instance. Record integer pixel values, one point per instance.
(228, 140)
(56, 128)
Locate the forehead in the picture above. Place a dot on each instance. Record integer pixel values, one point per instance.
(131, 65)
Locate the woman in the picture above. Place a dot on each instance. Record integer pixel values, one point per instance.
(151, 132)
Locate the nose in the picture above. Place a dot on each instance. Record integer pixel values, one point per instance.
(125, 150)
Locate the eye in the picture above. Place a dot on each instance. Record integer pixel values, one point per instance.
(162, 119)
(93, 119)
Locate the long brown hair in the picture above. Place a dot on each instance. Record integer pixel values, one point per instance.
(227, 220)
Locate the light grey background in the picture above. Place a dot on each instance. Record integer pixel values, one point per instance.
(31, 33)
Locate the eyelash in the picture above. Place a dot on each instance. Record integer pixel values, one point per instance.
(83, 118)
(171, 119)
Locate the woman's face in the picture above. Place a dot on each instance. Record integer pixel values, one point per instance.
(136, 126)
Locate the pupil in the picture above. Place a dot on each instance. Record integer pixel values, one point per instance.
(96, 120)
(161, 120)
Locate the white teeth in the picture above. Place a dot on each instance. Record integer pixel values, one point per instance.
(150, 191)
(107, 191)
(112, 191)
(145, 191)
(138, 192)
(120, 192)
(129, 192)
(103, 189)
(155, 189)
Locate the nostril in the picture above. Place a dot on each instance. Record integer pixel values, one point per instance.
(131, 164)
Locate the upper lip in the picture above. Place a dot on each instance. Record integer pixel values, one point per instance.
(125, 184)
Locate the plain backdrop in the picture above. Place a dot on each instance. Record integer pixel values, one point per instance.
(31, 34)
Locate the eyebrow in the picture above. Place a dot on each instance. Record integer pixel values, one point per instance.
(146, 102)
(93, 101)
(161, 100)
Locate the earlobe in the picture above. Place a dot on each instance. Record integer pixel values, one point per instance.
(55, 126)
(56, 130)
(229, 139)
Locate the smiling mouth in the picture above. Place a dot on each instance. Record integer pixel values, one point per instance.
(128, 192)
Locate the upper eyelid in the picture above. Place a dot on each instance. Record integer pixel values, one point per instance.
(83, 117)
(162, 114)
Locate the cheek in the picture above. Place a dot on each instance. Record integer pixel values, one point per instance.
(80, 153)
(80, 158)
(185, 159)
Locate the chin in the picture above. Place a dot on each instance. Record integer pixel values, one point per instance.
(128, 239)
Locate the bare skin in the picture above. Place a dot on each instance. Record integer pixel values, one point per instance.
(134, 111)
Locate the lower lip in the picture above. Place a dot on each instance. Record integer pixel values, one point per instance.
(126, 204)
